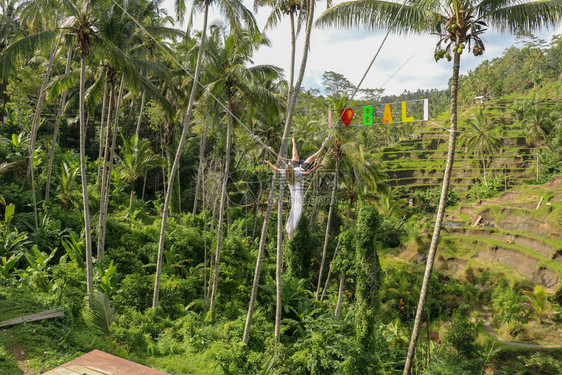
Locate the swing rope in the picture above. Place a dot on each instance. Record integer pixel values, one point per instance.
(366, 72)
(225, 107)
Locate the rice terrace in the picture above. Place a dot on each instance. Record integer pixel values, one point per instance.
(280, 187)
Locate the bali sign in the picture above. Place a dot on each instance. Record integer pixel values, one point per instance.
(380, 114)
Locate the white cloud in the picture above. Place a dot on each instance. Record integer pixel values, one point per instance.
(350, 52)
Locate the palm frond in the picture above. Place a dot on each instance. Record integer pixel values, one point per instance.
(416, 17)
(22, 48)
(101, 314)
(528, 16)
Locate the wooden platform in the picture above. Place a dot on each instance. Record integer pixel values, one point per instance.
(97, 362)
(33, 317)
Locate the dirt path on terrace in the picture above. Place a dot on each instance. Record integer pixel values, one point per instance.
(487, 319)
(19, 355)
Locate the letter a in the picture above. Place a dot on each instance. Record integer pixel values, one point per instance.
(367, 115)
(404, 117)
(387, 115)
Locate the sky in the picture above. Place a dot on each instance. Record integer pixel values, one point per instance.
(349, 52)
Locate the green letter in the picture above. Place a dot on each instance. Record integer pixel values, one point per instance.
(368, 115)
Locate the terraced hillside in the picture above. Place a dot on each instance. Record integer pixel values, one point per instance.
(512, 234)
(419, 162)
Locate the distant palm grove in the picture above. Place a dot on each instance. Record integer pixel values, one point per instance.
(134, 196)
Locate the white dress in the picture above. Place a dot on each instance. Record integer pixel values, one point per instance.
(297, 202)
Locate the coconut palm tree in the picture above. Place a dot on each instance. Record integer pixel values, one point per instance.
(236, 14)
(136, 159)
(80, 24)
(291, 103)
(459, 24)
(538, 299)
(242, 89)
(536, 123)
(480, 137)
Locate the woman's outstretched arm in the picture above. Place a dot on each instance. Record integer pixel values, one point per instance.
(271, 165)
(312, 170)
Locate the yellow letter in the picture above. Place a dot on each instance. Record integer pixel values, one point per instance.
(387, 115)
(404, 118)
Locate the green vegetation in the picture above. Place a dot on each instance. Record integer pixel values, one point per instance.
(139, 205)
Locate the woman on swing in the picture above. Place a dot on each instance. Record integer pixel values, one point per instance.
(294, 172)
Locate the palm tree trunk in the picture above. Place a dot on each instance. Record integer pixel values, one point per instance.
(261, 248)
(175, 166)
(439, 217)
(205, 294)
(104, 198)
(200, 167)
(340, 296)
(484, 169)
(143, 186)
(137, 131)
(84, 179)
(282, 153)
(537, 163)
(60, 113)
(327, 233)
(105, 149)
(102, 129)
(256, 213)
(335, 254)
(222, 210)
(131, 198)
(35, 128)
(293, 49)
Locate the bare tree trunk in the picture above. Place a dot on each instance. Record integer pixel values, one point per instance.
(327, 233)
(137, 131)
(255, 224)
(340, 296)
(104, 198)
(199, 169)
(143, 186)
(335, 254)
(84, 179)
(102, 169)
(293, 49)
(222, 210)
(102, 130)
(175, 166)
(60, 113)
(438, 219)
(205, 294)
(282, 153)
(35, 128)
(537, 162)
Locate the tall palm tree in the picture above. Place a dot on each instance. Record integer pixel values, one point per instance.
(458, 23)
(240, 87)
(117, 34)
(294, 9)
(291, 103)
(81, 25)
(136, 159)
(536, 121)
(60, 113)
(481, 138)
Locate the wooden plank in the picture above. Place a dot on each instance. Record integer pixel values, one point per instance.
(97, 362)
(62, 371)
(33, 317)
(88, 370)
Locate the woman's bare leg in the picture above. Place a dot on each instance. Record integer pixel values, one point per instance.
(295, 152)
(313, 157)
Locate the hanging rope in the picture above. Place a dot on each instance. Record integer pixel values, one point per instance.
(252, 135)
(366, 72)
